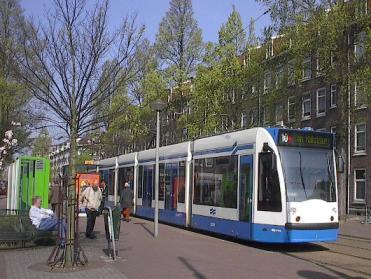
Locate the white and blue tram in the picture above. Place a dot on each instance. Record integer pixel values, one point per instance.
(263, 184)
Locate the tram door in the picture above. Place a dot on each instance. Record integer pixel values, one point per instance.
(246, 186)
(148, 179)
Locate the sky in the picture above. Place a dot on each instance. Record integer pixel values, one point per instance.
(210, 14)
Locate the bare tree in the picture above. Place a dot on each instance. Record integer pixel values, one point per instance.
(71, 64)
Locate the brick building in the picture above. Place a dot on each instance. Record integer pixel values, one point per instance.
(316, 102)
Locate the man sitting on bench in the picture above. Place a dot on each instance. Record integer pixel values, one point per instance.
(43, 219)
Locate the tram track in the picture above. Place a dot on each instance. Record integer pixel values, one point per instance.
(346, 255)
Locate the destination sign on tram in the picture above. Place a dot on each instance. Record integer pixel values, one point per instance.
(305, 139)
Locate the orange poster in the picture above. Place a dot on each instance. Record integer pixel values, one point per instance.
(85, 180)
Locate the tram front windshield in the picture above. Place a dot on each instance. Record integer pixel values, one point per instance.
(309, 174)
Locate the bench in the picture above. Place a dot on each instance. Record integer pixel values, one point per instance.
(17, 230)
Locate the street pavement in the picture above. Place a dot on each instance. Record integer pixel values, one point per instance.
(179, 253)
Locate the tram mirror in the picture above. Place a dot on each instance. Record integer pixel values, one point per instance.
(340, 164)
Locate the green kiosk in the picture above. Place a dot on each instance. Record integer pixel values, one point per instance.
(28, 177)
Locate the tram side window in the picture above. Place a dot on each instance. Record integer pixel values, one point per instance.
(216, 181)
(162, 183)
(181, 182)
(269, 193)
(111, 182)
(140, 182)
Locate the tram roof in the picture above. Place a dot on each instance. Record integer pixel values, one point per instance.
(225, 144)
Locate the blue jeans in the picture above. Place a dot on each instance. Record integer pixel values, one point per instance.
(51, 224)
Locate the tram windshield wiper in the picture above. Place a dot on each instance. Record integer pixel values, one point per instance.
(301, 176)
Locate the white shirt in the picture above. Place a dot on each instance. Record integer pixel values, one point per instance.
(37, 214)
(91, 199)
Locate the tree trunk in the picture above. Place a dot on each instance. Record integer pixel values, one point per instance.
(71, 206)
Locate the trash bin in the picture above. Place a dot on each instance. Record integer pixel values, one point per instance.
(116, 220)
(116, 216)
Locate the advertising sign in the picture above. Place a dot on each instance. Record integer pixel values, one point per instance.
(85, 180)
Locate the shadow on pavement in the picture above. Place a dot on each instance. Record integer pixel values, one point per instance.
(314, 274)
(287, 248)
(271, 247)
(319, 275)
(196, 273)
(144, 226)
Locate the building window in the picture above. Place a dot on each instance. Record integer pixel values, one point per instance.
(360, 138)
(319, 65)
(254, 117)
(360, 185)
(291, 109)
(361, 7)
(291, 73)
(307, 69)
(253, 90)
(279, 114)
(359, 95)
(321, 102)
(359, 45)
(267, 81)
(279, 76)
(333, 129)
(264, 115)
(333, 96)
(306, 107)
(269, 50)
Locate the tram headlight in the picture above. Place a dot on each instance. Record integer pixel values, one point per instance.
(297, 219)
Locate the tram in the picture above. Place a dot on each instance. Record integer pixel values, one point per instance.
(270, 185)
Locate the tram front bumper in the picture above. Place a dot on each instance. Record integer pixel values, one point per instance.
(317, 232)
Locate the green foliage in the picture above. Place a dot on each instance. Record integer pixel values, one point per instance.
(42, 144)
(232, 33)
(132, 127)
(222, 87)
(179, 40)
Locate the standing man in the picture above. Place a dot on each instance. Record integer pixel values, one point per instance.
(126, 201)
(91, 198)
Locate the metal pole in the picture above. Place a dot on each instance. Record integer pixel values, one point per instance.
(116, 182)
(157, 176)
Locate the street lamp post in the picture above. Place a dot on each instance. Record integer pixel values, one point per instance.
(158, 106)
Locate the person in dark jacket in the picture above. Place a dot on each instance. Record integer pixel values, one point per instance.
(104, 189)
(126, 201)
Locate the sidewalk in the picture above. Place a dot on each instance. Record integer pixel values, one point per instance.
(355, 228)
(176, 253)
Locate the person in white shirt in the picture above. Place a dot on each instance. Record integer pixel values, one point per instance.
(91, 198)
(43, 219)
